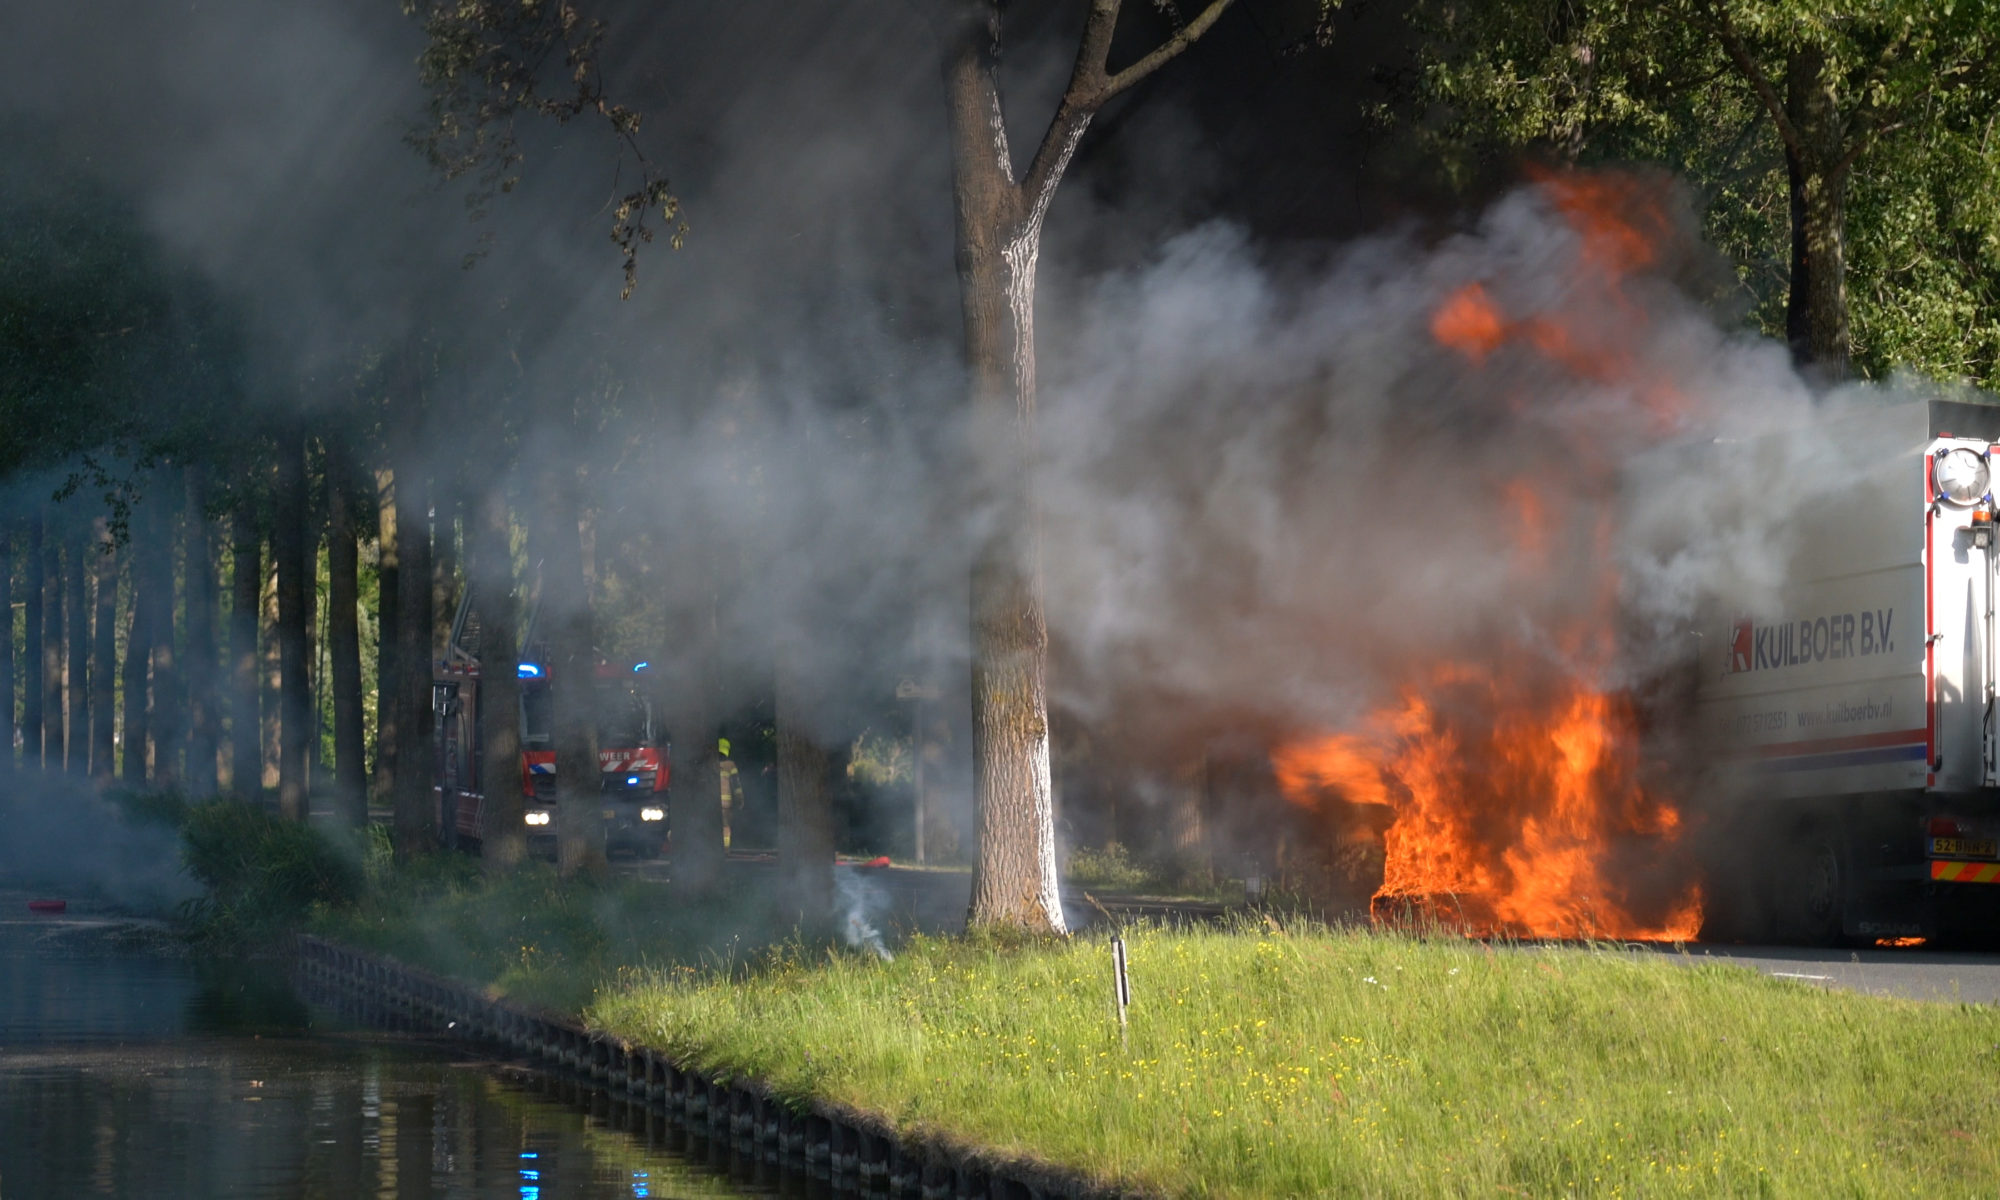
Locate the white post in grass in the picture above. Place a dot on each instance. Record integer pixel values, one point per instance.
(1121, 986)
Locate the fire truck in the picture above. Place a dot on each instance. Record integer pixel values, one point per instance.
(632, 757)
(1853, 706)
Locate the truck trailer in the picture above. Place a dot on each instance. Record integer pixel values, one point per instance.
(1850, 717)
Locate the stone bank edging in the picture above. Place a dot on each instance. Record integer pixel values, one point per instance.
(859, 1151)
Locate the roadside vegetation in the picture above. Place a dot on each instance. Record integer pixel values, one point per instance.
(1265, 1061)
(1264, 1058)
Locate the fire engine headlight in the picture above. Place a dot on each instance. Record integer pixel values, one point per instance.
(1961, 475)
(652, 814)
(537, 816)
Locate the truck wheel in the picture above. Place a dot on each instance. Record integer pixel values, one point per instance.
(1822, 897)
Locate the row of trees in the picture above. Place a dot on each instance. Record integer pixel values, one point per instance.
(195, 520)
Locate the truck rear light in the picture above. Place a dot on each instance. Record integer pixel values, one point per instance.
(1943, 827)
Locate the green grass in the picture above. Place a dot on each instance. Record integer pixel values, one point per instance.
(1264, 1063)
(536, 938)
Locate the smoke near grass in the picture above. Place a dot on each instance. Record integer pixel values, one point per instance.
(65, 840)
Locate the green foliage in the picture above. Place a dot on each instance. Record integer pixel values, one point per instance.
(879, 761)
(1112, 867)
(1310, 1061)
(105, 344)
(262, 875)
(150, 806)
(1914, 83)
(533, 936)
(487, 62)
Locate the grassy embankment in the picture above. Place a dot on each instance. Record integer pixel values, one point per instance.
(1259, 1061)
(1266, 1063)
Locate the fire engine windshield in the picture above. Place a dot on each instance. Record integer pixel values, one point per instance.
(537, 721)
(623, 718)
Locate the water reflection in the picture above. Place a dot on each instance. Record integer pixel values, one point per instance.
(130, 1073)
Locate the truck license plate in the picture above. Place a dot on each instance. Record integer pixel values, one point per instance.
(1966, 847)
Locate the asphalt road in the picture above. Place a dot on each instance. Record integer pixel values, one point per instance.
(1916, 973)
(935, 901)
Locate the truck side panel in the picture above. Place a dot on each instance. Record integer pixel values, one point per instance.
(1823, 690)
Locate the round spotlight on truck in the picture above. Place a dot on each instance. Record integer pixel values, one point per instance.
(537, 816)
(1961, 475)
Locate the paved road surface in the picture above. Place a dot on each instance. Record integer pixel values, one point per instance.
(935, 901)
(1917, 973)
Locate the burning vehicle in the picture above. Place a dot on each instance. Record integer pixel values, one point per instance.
(1733, 671)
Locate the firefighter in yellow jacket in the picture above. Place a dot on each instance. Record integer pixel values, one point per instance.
(732, 786)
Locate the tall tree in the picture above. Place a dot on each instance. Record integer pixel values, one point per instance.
(805, 810)
(52, 644)
(76, 639)
(483, 65)
(565, 612)
(415, 826)
(489, 572)
(388, 635)
(343, 632)
(7, 720)
(199, 592)
(32, 587)
(133, 681)
(695, 781)
(999, 216)
(246, 586)
(288, 550)
(104, 654)
(155, 559)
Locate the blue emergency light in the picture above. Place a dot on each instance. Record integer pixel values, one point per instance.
(641, 666)
(530, 671)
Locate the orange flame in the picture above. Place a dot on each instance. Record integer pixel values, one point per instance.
(1467, 321)
(1515, 783)
(1511, 816)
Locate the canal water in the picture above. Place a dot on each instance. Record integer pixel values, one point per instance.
(127, 1070)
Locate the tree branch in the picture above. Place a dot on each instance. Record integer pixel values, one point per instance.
(1738, 53)
(1091, 84)
(1169, 50)
(1079, 101)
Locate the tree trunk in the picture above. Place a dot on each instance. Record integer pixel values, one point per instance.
(52, 648)
(76, 630)
(444, 561)
(104, 656)
(388, 609)
(573, 670)
(166, 724)
(270, 666)
(1191, 855)
(999, 240)
(343, 635)
(489, 571)
(32, 588)
(138, 656)
(288, 548)
(198, 568)
(1816, 319)
(8, 723)
(246, 588)
(805, 809)
(694, 780)
(415, 820)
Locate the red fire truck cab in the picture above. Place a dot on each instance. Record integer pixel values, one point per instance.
(632, 757)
